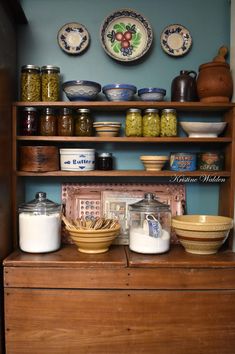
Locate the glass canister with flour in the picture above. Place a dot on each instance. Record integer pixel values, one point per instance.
(150, 226)
(40, 225)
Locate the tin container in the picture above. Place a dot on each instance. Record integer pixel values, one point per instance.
(183, 161)
(210, 161)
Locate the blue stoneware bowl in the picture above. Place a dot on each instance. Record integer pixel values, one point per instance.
(119, 92)
(151, 94)
(81, 90)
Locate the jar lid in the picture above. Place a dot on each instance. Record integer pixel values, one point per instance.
(105, 154)
(66, 110)
(48, 110)
(83, 110)
(149, 204)
(134, 110)
(169, 110)
(29, 66)
(30, 109)
(50, 67)
(40, 205)
(151, 110)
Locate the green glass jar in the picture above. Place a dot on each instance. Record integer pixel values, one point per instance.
(83, 122)
(151, 122)
(50, 83)
(30, 83)
(133, 126)
(169, 122)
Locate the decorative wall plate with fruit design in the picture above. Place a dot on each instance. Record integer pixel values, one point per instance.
(126, 35)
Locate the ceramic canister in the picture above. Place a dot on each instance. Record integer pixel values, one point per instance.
(183, 161)
(77, 159)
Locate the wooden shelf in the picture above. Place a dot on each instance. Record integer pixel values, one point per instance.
(107, 106)
(124, 139)
(126, 173)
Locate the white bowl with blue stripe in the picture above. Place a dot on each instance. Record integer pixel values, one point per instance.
(119, 92)
(81, 90)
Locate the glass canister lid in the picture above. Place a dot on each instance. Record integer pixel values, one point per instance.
(149, 204)
(40, 205)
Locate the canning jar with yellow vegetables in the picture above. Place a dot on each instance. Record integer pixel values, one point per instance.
(50, 83)
(30, 83)
(133, 126)
(168, 122)
(151, 122)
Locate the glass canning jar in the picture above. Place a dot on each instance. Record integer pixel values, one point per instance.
(29, 121)
(50, 83)
(149, 225)
(48, 122)
(151, 122)
(105, 161)
(65, 126)
(169, 122)
(133, 126)
(83, 122)
(30, 83)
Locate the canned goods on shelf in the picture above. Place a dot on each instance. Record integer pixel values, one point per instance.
(169, 122)
(210, 161)
(133, 125)
(30, 83)
(50, 83)
(183, 161)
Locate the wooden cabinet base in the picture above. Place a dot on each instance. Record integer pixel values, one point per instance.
(116, 321)
(133, 317)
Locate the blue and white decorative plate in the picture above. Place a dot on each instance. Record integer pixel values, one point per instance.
(126, 35)
(73, 38)
(176, 40)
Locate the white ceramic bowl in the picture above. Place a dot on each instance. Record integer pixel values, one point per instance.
(151, 94)
(154, 163)
(203, 129)
(119, 92)
(81, 90)
(77, 159)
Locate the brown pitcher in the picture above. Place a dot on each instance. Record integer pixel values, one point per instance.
(183, 87)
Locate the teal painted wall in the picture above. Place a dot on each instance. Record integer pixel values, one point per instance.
(207, 20)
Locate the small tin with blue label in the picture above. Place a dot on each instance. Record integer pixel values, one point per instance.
(183, 161)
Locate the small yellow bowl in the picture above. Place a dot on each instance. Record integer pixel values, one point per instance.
(154, 163)
(94, 241)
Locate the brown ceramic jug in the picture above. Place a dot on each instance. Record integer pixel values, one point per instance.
(184, 87)
(214, 83)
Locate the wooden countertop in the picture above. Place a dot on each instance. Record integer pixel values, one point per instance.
(119, 257)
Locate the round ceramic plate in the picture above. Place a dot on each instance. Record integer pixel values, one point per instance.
(176, 40)
(126, 35)
(73, 38)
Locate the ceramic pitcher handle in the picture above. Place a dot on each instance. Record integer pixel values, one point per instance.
(194, 73)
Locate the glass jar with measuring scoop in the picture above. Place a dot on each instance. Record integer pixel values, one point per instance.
(149, 226)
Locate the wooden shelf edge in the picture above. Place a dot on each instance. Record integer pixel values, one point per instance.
(123, 139)
(130, 173)
(184, 106)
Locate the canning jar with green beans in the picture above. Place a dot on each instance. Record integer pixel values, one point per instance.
(30, 83)
(133, 126)
(50, 83)
(168, 122)
(151, 122)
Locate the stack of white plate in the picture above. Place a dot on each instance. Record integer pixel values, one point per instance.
(107, 128)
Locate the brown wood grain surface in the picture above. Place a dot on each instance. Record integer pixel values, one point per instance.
(116, 322)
